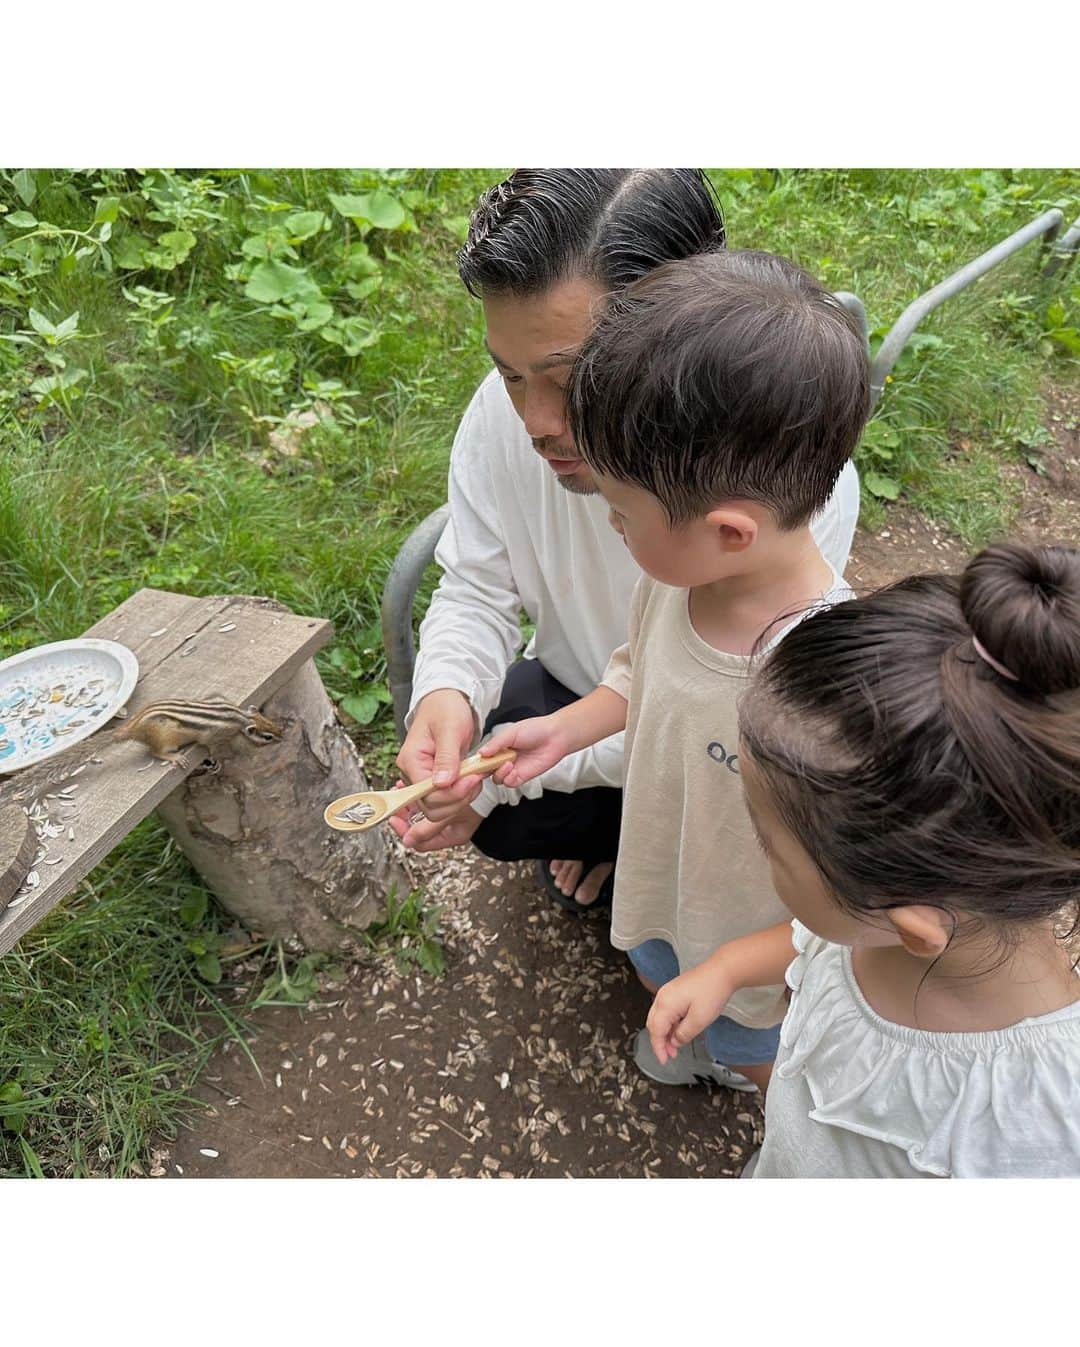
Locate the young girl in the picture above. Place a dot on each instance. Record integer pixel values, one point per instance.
(912, 764)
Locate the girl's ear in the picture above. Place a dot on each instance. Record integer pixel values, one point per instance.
(924, 931)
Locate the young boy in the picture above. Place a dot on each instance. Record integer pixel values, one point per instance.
(716, 402)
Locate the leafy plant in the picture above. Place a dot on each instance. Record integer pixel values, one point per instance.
(1059, 329)
(203, 941)
(368, 699)
(296, 982)
(410, 929)
(877, 450)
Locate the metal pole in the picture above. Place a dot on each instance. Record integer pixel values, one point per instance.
(417, 553)
(1046, 225)
(1064, 250)
(856, 308)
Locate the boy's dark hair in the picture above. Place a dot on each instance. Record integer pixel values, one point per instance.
(612, 225)
(908, 766)
(725, 376)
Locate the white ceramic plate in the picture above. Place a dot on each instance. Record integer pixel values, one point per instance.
(55, 695)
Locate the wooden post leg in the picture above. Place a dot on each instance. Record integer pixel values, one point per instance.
(255, 833)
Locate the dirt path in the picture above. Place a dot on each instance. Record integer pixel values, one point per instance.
(517, 1062)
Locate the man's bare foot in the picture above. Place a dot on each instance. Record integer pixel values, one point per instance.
(567, 876)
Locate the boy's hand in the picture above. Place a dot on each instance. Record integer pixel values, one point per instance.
(684, 1007)
(540, 742)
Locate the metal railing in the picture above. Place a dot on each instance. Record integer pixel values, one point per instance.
(416, 555)
(418, 550)
(1046, 227)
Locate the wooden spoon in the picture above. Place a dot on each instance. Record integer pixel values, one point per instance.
(350, 813)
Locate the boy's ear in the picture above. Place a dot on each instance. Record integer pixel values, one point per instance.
(924, 931)
(737, 528)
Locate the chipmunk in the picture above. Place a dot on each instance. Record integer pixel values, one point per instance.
(166, 729)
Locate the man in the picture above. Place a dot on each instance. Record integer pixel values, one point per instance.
(528, 529)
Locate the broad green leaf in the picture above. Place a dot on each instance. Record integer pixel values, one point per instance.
(359, 261)
(310, 311)
(304, 223)
(10, 1092)
(880, 439)
(880, 485)
(271, 244)
(353, 335)
(52, 386)
(193, 908)
(379, 209)
(170, 249)
(1068, 337)
(21, 219)
(25, 186)
(385, 211)
(352, 207)
(272, 281)
(361, 289)
(130, 252)
(209, 966)
(430, 958)
(105, 232)
(68, 326)
(1055, 314)
(362, 706)
(41, 324)
(106, 209)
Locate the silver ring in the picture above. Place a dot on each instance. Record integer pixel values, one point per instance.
(416, 816)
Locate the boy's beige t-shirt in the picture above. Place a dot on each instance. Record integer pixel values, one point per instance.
(689, 869)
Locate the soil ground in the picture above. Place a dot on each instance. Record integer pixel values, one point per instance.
(517, 1062)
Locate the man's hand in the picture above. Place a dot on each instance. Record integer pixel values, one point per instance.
(442, 731)
(685, 1006)
(540, 742)
(428, 836)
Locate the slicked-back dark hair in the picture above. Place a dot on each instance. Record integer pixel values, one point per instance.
(910, 767)
(611, 225)
(732, 375)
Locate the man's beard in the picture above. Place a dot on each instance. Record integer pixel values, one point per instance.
(568, 483)
(575, 487)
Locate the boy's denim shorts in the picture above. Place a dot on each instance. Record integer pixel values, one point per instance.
(727, 1041)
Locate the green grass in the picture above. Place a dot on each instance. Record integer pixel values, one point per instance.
(975, 370)
(154, 466)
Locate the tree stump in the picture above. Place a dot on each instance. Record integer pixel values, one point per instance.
(255, 833)
(18, 846)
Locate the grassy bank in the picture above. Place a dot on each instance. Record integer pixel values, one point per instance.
(249, 382)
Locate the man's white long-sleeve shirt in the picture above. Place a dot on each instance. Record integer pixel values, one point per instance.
(518, 540)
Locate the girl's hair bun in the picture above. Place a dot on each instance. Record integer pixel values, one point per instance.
(1023, 606)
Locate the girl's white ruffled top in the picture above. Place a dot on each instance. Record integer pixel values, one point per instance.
(855, 1096)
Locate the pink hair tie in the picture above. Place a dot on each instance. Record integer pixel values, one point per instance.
(981, 651)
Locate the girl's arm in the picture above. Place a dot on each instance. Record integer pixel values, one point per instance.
(543, 741)
(689, 1003)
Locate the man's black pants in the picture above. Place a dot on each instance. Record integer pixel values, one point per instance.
(583, 826)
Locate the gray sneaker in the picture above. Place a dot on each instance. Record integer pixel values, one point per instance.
(690, 1066)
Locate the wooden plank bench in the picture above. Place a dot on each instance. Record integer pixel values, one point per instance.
(251, 652)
